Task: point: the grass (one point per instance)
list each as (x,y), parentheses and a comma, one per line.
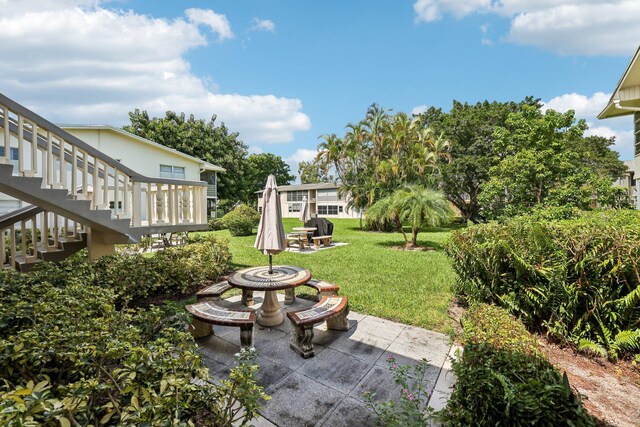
(412,287)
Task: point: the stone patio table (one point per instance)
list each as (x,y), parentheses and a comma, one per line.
(259,279)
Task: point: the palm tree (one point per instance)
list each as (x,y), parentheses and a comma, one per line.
(415,204)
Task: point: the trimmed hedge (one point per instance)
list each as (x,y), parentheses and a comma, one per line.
(503,379)
(578,279)
(135,278)
(241,220)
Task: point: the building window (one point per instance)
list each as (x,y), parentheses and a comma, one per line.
(328,210)
(340,209)
(296,196)
(328,195)
(12,151)
(295,207)
(176,172)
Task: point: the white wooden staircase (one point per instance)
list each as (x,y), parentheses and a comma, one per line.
(74,187)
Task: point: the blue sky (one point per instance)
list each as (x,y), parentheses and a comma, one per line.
(284,72)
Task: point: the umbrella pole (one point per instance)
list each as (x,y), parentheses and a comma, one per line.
(270,265)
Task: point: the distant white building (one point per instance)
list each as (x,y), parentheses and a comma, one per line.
(323,198)
(628,182)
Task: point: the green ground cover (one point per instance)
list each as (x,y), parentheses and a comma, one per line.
(412,287)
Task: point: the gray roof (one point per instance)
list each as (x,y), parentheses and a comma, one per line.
(316,186)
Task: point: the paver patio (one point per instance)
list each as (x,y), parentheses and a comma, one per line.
(327,390)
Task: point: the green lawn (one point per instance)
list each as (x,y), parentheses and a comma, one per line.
(406,286)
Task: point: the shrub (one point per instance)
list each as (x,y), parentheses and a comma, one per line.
(216,224)
(503,379)
(135,278)
(68,356)
(578,279)
(241,220)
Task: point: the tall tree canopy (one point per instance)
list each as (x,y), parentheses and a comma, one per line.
(381,153)
(200,139)
(312,173)
(260,166)
(545,159)
(470,128)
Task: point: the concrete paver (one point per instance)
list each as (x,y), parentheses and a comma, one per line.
(327,389)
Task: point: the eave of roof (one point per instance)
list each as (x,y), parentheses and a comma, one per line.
(203,164)
(611,110)
(315,186)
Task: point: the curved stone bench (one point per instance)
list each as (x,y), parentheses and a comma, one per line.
(326,241)
(214,293)
(332,309)
(207,313)
(322,289)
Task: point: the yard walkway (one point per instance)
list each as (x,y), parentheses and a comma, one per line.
(327,390)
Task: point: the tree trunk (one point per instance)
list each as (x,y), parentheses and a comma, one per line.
(399,225)
(414,236)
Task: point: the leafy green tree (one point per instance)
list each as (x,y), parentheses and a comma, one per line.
(415,204)
(201,139)
(546,160)
(260,166)
(381,153)
(470,130)
(311,173)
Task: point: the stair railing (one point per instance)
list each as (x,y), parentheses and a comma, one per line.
(28,230)
(66,162)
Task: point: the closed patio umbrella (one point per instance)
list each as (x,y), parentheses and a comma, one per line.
(305,212)
(270,239)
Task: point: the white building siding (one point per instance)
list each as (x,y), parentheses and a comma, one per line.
(142,158)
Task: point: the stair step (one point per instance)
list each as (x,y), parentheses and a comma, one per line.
(25,266)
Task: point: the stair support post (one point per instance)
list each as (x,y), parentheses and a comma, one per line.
(97,244)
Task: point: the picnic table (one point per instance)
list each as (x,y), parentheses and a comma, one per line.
(259,279)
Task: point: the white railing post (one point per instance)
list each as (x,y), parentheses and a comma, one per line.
(136,202)
(7,137)
(126,209)
(95,196)
(49,160)
(105,186)
(116,190)
(63,165)
(21,170)
(34,148)
(160,205)
(74,171)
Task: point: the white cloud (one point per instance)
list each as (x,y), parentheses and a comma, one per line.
(83,63)
(300,155)
(419,109)
(216,22)
(584,106)
(589,27)
(587,108)
(263,25)
(254,149)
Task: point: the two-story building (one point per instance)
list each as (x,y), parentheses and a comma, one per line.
(145,156)
(324,201)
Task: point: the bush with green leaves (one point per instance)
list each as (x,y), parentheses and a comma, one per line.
(69,356)
(577,280)
(241,220)
(503,378)
(216,224)
(135,278)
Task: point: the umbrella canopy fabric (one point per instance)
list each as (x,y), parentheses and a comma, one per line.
(270,238)
(305,213)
